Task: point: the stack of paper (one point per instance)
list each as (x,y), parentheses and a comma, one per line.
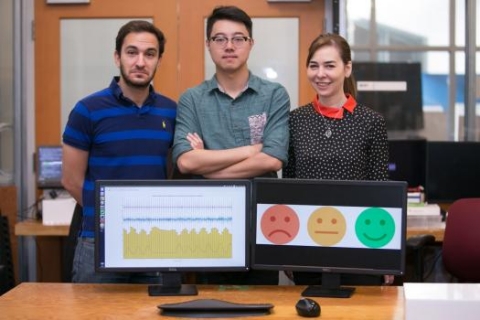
(415,197)
(423,209)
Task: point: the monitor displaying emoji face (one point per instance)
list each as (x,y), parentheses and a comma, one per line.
(329,226)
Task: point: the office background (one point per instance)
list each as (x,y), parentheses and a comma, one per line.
(445,43)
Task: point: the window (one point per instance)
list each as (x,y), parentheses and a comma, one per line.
(407,31)
(6,94)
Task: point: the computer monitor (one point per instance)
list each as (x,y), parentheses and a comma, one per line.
(331,227)
(49,167)
(394,89)
(453,171)
(407,161)
(172,226)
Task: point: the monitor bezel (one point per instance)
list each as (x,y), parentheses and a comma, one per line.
(175,183)
(338,185)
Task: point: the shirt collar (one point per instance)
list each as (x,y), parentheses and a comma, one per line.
(329,112)
(252,83)
(118,93)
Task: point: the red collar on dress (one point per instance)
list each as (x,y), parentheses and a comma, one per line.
(330,112)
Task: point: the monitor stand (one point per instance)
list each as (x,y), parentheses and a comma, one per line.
(171,285)
(330,288)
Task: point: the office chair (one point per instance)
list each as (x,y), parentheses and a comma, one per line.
(7,278)
(416,247)
(461,249)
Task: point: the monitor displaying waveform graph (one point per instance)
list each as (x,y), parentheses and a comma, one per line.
(172,225)
(207,236)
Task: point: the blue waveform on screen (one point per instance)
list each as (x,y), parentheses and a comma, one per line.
(179,206)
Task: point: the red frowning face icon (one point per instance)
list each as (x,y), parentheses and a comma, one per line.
(280,224)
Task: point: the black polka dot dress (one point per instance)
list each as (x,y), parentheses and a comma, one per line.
(352,148)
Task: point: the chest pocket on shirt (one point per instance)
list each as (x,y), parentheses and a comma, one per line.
(256,127)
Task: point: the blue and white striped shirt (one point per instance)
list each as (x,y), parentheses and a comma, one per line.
(123,140)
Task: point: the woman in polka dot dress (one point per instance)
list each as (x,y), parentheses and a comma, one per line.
(334,137)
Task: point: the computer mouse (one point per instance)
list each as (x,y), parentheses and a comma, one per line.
(307,308)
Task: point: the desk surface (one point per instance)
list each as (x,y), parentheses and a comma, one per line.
(36,228)
(417,225)
(131,301)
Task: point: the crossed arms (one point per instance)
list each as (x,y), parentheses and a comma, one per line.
(192,154)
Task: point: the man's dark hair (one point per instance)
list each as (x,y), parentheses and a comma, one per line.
(137,26)
(231,13)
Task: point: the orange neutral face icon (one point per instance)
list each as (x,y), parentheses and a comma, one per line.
(326,226)
(280,224)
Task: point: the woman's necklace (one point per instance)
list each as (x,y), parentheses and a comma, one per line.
(328,124)
(328,111)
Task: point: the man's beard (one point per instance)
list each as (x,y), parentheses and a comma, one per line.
(140,85)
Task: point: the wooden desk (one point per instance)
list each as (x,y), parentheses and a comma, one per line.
(420,225)
(50,243)
(131,301)
(36,228)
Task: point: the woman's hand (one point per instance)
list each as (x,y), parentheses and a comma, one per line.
(388,279)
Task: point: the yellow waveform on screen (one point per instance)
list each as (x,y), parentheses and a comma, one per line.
(169,244)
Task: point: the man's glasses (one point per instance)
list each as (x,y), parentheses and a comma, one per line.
(237,41)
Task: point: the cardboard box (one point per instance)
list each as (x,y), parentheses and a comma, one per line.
(58,211)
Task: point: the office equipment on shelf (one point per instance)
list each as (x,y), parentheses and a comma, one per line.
(331,227)
(441,301)
(49,167)
(58,211)
(453,171)
(172,226)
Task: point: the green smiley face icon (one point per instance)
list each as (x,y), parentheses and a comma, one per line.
(375,227)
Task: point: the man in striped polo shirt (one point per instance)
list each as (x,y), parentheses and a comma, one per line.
(124,131)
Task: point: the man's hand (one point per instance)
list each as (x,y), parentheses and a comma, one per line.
(195,141)
(239,162)
(197,144)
